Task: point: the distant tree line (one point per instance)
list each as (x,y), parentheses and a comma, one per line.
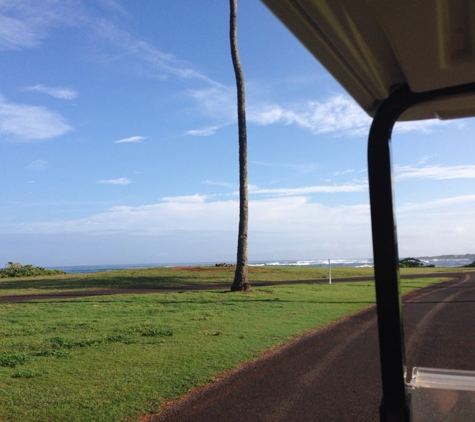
(417,263)
(15,269)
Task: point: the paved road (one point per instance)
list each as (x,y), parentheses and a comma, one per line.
(333,374)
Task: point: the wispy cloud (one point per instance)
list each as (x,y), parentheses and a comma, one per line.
(203,132)
(216,101)
(219,183)
(61,93)
(437,172)
(340,173)
(120,181)
(347,188)
(132,139)
(161,64)
(425,126)
(16,34)
(25,123)
(114,6)
(300,167)
(438,203)
(38,165)
(26,23)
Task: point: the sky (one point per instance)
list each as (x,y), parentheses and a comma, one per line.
(119,143)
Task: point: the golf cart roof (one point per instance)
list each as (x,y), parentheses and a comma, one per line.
(374,46)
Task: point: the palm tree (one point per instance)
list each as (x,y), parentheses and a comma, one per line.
(241,281)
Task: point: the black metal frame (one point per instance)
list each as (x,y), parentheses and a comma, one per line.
(394,407)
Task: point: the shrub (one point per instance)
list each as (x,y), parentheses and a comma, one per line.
(11,359)
(15,269)
(412,263)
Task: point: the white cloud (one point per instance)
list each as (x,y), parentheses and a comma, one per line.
(280,227)
(437,172)
(61,93)
(120,181)
(25,123)
(296,214)
(132,139)
(338,114)
(186,199)
(436,227)
(203,132)
(200,213)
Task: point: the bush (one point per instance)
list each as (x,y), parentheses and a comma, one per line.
(15,269)
(412,263)
(470,265)
(12,359)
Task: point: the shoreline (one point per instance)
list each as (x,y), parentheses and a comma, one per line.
(451,261)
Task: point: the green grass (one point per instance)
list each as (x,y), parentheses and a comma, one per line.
(180,276)
(118,357)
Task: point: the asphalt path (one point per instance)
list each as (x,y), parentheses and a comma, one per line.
(333,374)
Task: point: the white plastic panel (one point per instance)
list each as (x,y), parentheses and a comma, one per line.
(443,378)
(441,395)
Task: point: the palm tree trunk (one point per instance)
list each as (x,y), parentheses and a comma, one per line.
(241,281)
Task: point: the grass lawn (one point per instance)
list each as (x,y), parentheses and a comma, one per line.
(118,357)
(181,276)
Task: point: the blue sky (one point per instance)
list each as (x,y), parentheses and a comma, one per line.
(119,143)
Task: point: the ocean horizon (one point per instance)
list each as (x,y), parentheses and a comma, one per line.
(356,262)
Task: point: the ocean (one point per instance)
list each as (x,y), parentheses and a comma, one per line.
(358,262)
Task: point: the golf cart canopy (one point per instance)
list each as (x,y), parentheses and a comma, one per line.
(372,46)
(400,60)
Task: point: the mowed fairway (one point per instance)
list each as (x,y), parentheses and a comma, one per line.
(118,357)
